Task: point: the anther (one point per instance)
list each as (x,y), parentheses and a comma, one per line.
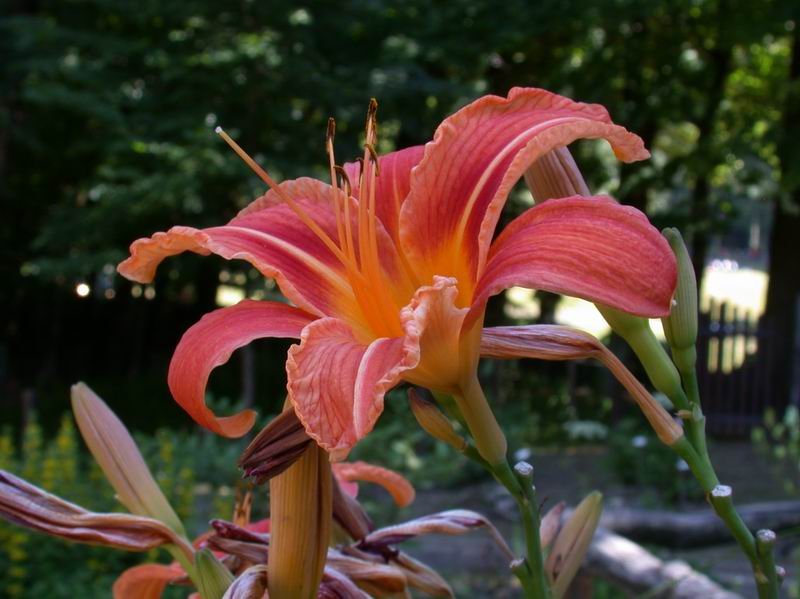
(329,135)
(345,179)
(373,154)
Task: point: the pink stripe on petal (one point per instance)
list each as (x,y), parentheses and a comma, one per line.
(210,342)
(477,155)
(591,248)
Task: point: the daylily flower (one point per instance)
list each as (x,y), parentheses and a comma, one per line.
(389,272)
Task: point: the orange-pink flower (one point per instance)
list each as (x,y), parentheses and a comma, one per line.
(389,272)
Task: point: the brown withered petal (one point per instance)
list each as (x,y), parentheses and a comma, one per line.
(250,584)
(551,524)
(349,514)
(554,342)
(422,577)
(376,578)
(452,522)
(229,530)
(336,585)
(275,448)
(256,553)
(555,175)
(29,506)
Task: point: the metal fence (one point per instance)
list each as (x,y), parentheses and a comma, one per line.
(735,369)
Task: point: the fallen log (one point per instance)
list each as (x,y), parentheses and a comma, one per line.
(634,570)
(696,528)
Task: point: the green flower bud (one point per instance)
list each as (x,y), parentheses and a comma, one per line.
(213,579)
(680,327)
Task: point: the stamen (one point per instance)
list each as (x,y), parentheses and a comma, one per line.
(329,135)
(315,228)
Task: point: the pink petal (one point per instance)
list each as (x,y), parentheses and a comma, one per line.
(210,342)
(271,237)
(477,155)
(393,184)
(147,581)
(337,382)
(396,484)
(590,247)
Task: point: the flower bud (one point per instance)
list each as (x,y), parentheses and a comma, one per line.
(300,514)
(434,422)
(680,327)
(572,542)
(275,448)
(637,333)
(213,579)
(555,175)
(123,465)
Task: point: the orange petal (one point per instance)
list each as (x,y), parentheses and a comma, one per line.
(396,484)
(337,383)
(590,247)
(210,342)
(147,581)
(476,157)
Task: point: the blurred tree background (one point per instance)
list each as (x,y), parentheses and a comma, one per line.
(107,113)
(107,110)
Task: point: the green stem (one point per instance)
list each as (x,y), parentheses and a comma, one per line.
(531,570)
(765,544)
(721,499)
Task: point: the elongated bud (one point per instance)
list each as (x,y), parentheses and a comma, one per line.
(637,333)
(572,543)
(680,327)
(555,175)
(300,511)
(123,465)
(213,579)
(275,448)
(433,422)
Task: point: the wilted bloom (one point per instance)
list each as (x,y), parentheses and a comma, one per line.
(29,506)
(391,270)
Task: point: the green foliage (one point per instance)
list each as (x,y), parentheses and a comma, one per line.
(780,440)
(638,459)
(36,565)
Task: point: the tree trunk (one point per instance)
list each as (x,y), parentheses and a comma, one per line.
(783,293)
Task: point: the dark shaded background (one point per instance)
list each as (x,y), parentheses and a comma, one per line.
(107,110)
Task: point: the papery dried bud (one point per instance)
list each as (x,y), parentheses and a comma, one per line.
(422,577)
(300,513)
(453,522)
(572,543)
(433,422)
(254,553)
(250,584)
(551,524)
(680,327)
(349,514)
(27,505)
(555,175)
(118,456)
(275,448)
(336,585)
(377,579)
(213,579)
